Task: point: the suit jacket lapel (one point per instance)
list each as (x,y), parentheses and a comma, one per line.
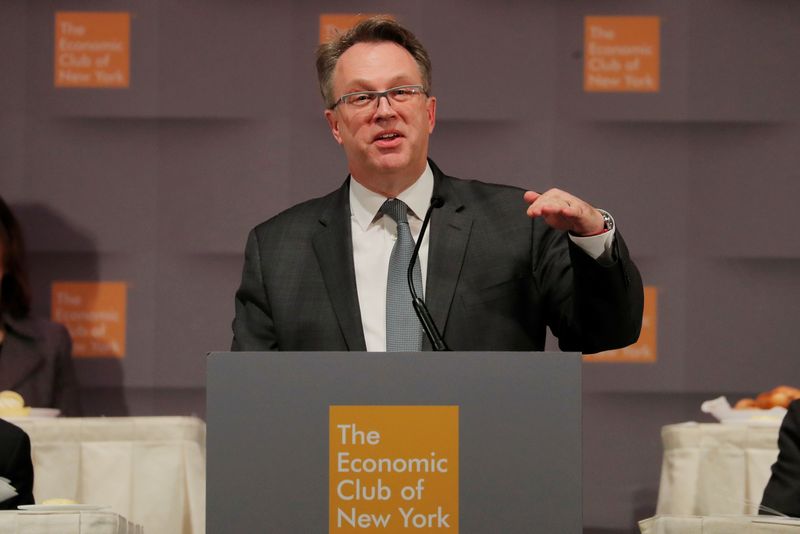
(333,246)
(18,359)
(450,231)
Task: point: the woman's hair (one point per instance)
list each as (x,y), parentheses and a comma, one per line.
(15,293)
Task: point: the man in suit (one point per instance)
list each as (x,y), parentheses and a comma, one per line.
(782,493)
(15,464)
(495,273)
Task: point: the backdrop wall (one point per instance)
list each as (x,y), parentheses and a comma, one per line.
(222,127)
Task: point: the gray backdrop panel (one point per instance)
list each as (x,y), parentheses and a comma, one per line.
(159,184)
(519,426)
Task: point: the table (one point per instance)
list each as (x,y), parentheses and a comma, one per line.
(149,469)
(710,469)
(718,525)
(12,522)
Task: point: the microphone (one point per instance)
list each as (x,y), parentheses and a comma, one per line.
(424,316)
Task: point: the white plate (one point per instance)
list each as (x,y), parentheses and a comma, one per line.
(754,416)
(721,409)
(44,412)
(61,507)
(37,413)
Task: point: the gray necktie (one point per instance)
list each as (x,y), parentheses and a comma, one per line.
(403,330)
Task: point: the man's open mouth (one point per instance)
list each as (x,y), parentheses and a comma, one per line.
(388,136)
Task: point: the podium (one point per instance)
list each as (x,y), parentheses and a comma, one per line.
(276,462)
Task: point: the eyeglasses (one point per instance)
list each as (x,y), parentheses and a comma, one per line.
(395,95)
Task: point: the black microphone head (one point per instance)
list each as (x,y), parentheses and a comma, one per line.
(437,202)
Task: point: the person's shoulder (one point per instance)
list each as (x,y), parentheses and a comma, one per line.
(495,201)
(493,191)
(9,430)
(794,411)
(306,214)
(48,328)
(467,189)
(35,327)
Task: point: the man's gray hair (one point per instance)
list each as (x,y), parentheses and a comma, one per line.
(372,30)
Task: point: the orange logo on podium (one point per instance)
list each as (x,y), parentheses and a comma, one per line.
(92,49)
(621,54)
(94,314)
(643,351)
(393,469)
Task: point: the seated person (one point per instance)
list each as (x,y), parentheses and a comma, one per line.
(15,464)
(782,493)
(35,354)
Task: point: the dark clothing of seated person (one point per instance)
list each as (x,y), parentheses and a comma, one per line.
(782,493)
(15,464)
(35,354)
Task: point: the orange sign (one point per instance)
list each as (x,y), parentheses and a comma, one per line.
(643,351)
(621,54)
(94,314)
(333,24)
(393,469)
(92,49)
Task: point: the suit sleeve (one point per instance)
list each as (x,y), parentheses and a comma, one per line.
(19,469)
(253,326)
(23,475)
(783,489)
(594,306)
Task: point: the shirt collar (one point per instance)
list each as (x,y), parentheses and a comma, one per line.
(365,204)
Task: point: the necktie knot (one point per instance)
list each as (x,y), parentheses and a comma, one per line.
(396,209)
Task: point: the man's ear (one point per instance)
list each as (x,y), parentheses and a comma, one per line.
(333,123)
(431,108)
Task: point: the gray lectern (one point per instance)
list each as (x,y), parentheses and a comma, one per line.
(519,438)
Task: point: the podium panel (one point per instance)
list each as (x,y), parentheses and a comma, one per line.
(274,450)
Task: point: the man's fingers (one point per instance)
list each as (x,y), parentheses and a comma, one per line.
(562,211)
(559,208)
(531,196)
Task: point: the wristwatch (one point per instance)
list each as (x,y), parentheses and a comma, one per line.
(608,220)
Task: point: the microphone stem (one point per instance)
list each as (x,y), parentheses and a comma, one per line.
(423,314)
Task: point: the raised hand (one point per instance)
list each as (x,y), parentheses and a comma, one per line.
(564,211)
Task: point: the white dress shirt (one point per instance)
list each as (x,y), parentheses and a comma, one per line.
(373,239)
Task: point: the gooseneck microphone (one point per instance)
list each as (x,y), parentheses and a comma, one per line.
(428,326)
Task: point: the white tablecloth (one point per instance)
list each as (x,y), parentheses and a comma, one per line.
(718,525)
(66,523)
(148,469)
(710,469)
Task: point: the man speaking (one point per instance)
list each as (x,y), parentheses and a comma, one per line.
(496,266)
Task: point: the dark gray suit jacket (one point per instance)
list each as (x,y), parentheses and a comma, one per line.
(783,489)
(36,362)
(16,464)
(496,279)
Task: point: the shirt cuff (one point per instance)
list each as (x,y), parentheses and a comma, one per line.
(597,246)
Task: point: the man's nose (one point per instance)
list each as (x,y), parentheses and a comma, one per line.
(384,108)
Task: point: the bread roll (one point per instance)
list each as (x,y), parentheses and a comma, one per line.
(779,396)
